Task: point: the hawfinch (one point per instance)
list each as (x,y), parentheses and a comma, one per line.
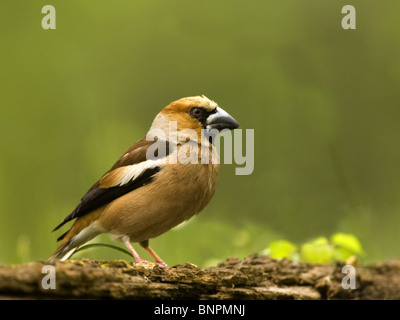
(159,182)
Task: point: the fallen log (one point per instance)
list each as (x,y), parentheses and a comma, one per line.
(255,277)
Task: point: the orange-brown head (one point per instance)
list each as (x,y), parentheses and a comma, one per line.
(194,113)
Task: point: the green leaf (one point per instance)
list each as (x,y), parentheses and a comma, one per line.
(321,241)
(281,249)
(342,254)
(348,242)
(317,251)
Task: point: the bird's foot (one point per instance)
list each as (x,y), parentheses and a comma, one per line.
(162,264)
(145,263)
(149,264)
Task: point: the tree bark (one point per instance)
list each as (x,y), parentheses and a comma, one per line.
(256,277)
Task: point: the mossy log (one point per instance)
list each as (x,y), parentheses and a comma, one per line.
(255,277)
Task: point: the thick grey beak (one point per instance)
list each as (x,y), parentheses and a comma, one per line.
(221,120)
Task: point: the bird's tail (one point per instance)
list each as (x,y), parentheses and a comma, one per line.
(81,231)
(63,252)
(61,255)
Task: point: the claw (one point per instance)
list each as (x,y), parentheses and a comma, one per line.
(139,260)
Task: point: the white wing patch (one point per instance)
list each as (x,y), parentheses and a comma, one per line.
(132,172)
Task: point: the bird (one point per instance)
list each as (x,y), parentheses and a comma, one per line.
(162,180)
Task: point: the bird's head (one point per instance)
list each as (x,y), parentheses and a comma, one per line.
(195,113)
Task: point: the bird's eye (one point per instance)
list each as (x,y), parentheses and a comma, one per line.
(195,112)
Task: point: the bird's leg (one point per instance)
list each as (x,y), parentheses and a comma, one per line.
(135,255)
(159,261)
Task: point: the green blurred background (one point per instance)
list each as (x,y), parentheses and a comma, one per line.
(323,101)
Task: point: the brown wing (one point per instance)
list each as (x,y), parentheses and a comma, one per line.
(108,187)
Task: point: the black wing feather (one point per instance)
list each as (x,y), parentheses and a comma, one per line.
(97,197)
